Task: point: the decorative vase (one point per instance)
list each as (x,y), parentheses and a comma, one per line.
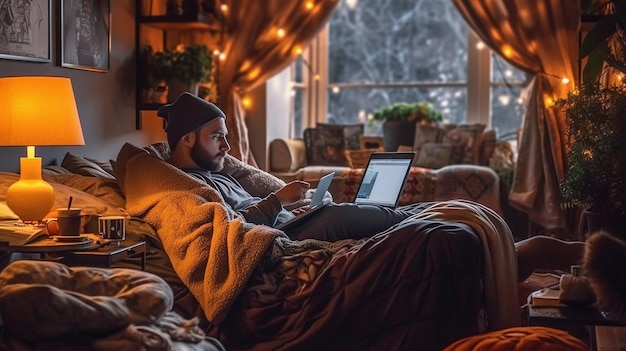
(396,133)
(614,224)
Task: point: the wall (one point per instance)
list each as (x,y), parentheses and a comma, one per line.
(106,101)
(267,117)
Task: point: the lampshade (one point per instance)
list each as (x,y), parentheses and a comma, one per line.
(36,111)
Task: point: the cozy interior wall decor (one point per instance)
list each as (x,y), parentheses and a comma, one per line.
(541,38)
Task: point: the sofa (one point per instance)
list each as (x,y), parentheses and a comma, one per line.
(441,275)
(474,182)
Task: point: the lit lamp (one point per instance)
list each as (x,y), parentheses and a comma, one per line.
(36,111)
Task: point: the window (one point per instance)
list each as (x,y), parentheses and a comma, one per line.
(377,52)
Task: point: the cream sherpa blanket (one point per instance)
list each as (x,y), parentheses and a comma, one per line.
(499,256)
(211,248)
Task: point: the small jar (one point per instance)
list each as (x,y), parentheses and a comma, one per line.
(576,289)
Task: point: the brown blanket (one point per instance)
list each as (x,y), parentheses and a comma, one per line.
(212,249)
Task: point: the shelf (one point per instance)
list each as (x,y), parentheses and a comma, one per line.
(182,22)
(158,28)
(149,106)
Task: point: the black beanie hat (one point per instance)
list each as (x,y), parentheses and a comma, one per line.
(187,114)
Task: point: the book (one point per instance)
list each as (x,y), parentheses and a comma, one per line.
(19,234)
(545,297)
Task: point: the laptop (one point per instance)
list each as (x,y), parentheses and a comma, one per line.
(317,202)
(384,178)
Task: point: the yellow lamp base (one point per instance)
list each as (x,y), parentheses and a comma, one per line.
(30,198)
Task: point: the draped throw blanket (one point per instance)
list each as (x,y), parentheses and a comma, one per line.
(500,258)
(212,250)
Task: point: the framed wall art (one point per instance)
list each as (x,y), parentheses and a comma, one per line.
(86,34)
(25,30)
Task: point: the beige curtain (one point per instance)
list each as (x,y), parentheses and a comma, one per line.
(540,37)
(255,52)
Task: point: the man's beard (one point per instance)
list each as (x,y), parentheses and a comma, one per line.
(204,160)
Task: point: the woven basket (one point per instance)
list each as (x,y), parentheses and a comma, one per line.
(359,158)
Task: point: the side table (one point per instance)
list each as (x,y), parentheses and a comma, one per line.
(569,318)
(105,256)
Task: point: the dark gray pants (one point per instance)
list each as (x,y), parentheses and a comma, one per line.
(351,221)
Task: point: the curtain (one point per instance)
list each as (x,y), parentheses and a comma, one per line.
(540,37)
(255,51)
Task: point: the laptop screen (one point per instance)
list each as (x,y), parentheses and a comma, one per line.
(384,178)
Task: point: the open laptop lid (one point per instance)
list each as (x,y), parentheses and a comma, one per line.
(384,178)
(317,203)
(322,187)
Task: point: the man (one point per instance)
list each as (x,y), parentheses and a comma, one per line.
(197,135)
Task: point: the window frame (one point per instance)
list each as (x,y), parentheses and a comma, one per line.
(479,82)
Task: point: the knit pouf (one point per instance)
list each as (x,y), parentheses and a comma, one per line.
(520,339)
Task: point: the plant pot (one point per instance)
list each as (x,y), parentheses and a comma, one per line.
(614,224)
(396,133)
(176,87)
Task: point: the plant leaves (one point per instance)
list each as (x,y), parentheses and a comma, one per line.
(598,34)
(594,65)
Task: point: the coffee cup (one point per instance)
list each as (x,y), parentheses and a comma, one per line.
(69,222)
(112,228)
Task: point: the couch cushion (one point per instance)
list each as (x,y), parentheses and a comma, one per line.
(287,155)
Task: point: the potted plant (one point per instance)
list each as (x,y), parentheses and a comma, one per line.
(399,121)
(596,140)
(192,65)
(156,68)
(596,136)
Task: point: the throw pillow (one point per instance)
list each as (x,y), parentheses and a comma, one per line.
(324,147)
(466,140)
(427,133)
(351,133)
(86,167)
(490,139)
(434,155)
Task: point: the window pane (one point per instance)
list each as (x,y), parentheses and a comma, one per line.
(297,75)
(297,119)
(355,104)
(507,110)
(501,71)
(397,41)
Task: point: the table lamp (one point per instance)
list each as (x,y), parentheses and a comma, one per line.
(36,111)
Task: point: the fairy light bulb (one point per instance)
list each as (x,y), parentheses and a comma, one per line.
(280,32)
(480,45)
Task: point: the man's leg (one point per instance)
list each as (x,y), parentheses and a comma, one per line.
(351,221)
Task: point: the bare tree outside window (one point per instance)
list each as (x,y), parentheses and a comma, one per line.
(385,51)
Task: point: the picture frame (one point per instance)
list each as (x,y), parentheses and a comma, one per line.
(86,34)
(25,30)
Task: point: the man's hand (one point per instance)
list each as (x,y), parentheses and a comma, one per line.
(292,192)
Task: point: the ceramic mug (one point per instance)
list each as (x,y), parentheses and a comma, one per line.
(112,228)
(68,222)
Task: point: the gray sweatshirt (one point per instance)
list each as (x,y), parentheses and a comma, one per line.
(267,211)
